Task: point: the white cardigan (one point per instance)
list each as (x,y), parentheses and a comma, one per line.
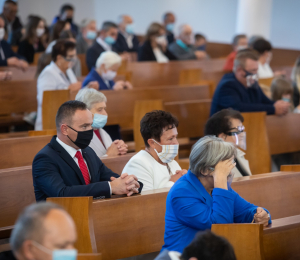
(150,172)
(97,145)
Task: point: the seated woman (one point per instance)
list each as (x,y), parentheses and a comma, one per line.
(57,29)
(282,89)
(32,41)
(106,70)
(101,142)
(204,197)
(228,125)
(155,45)
(155,166)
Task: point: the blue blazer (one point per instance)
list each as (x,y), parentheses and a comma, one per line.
(94,76)
(190,209)
(56,174)
(8,53)
(230,93)
(121,44)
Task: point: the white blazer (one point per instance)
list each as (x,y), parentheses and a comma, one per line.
(97,145)
(150,172)
(243,163)
(51,78)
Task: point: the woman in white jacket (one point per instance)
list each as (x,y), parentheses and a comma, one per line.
(101,143)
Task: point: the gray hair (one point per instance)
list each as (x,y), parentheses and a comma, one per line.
(30,224)
(90,97)
(242,56)
(85,22)
(208,152)
(182,28)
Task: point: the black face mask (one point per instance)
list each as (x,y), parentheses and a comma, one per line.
(69,20)
(83,138)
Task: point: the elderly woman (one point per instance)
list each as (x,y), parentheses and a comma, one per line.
(155,166)
(204,197)
(101,142)
(106,70)
(228,125)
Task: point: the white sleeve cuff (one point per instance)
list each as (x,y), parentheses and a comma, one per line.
(110,188)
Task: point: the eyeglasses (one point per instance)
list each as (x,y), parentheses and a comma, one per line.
(73,59)
(240,129)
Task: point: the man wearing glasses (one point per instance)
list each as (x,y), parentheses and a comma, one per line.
(58,75)
(240,90)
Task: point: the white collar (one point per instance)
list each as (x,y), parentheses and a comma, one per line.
(70,150)
(55,67)
(105,46)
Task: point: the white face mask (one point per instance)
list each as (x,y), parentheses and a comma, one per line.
(2,33)
(109,75)
(40,32)
(241,140)
(162,40)
(168,153)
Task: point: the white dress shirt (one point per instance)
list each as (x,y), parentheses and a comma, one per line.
(150,172)
(128,37)
(98,146)
(265,71)
(105,46)
(72,152)
(160,56)
(51,78)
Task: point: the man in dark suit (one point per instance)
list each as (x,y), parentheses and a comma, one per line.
(105,42)
(13,25)
(126,41)
(240,91)
(67,167)
(169,24)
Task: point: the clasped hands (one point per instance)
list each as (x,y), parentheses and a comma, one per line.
(261,217)
(126,184)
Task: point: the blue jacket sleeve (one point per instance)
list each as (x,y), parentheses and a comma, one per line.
(228,97)
(196,214)
(244,211)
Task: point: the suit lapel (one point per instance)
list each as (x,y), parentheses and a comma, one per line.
(67,158)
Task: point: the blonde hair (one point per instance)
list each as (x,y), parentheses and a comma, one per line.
(153,30)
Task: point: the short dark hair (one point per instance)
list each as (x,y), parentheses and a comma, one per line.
(261,45)
(107,25)
(61,47)
(67,110)
(66,7)
(208,246)
(64,35)
(153,124)
(237,38)
(219,123)
(165,16)
(199,36)
(10,2)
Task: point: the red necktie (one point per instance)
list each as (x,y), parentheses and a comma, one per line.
(83,168)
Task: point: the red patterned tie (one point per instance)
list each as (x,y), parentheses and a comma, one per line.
(83,168)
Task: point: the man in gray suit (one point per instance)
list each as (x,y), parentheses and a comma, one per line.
(182,48)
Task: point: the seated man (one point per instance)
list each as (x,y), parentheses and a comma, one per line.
(240,91)
(7,56)
(105,41)
(67,167)
(155,166)
(200,42)
(205,246)
(169,22)
(41,229)
(87,35)
(105,71)
(182,48)
(127,40)
(228,125)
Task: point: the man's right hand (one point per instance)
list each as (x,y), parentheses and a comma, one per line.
(75,87)
(126,184)
(119,85)
(13,62)
(200,55)
(281,107)
(222,170)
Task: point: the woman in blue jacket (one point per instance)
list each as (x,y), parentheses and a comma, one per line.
(204,197)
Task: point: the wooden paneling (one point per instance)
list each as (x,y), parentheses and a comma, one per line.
(18,74)
(42,132)
(84,68)
(190,76)
(117,163)
(290,168)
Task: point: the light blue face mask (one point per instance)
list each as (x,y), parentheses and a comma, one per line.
(170,27)
(181,44)
(286,99)
(129,28)
(109,40)
(99,121)
(91,35)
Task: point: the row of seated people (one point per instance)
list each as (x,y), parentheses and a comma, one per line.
(46,231)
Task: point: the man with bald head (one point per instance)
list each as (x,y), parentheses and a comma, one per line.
(127,40)
(68,167)
(43,231)
(183,49)
(169,24)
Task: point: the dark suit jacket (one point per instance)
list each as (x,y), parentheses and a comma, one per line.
(146,53)
(16,30)
(8,53)
(121,44)
(94,76)
(7,255)
(170,37)
(56,174)
(27,50)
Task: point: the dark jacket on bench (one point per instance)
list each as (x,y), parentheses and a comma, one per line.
(230,93)
(56,174)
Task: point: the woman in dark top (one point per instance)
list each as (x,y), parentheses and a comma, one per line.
(32,41)
(155,45)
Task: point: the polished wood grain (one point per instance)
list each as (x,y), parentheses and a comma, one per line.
(190,76)
(290,168)
(20,75)
(42,132)
(266,81)
(89,257)
(117,163)
(84,68)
